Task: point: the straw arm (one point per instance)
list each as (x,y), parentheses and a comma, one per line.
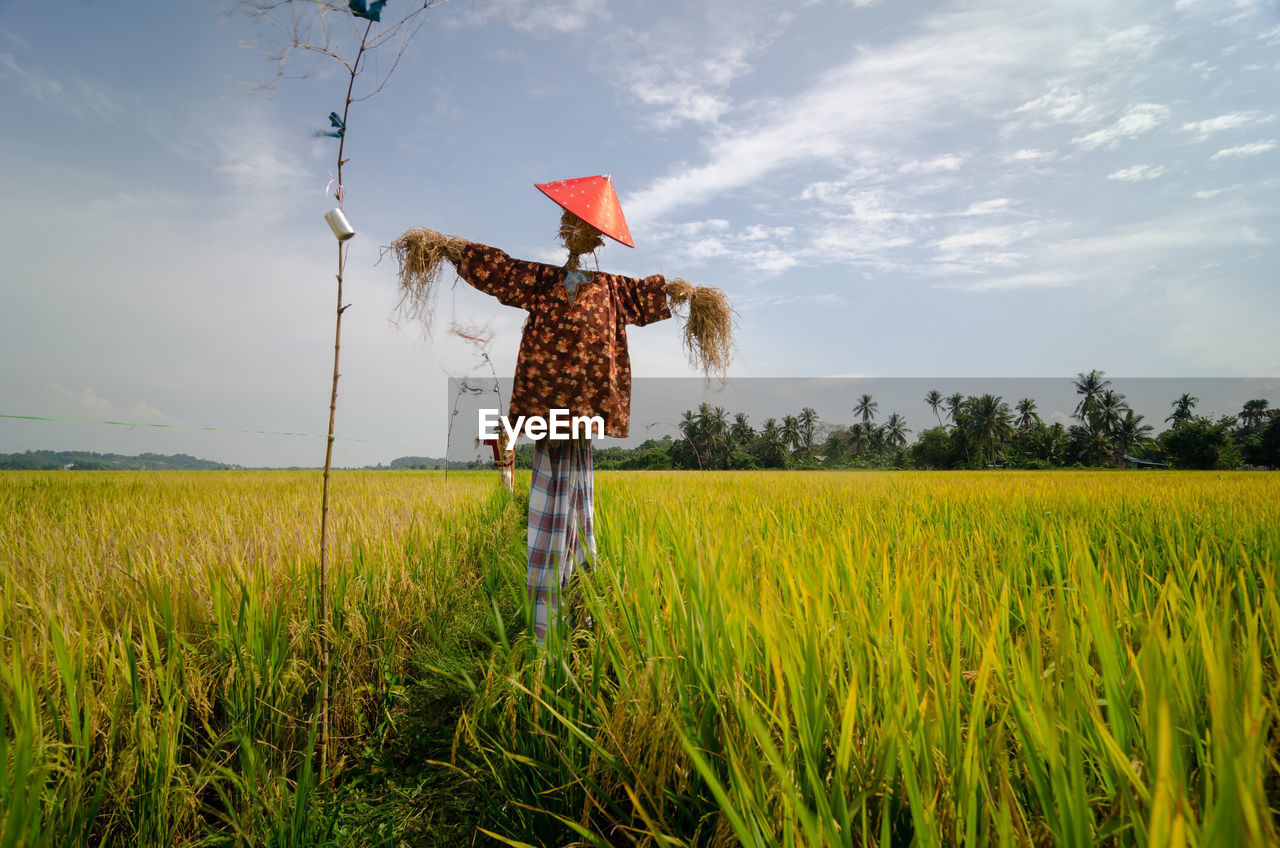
(420,253)
(707,315)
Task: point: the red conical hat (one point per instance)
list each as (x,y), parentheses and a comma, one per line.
(593,200)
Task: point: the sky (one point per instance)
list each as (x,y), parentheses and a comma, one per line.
(937,190)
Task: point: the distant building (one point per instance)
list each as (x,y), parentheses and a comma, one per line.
(1134,462)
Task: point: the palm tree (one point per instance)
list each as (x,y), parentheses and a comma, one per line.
(934,400)
(1098,444)
(1027,416)
(834,447)
(1089,387)
(866,408)
(791,431)
(715,424)
(689,425)
(1049,443)
(896,430)
(877,436)
(1108,411)
(719,420)
(859,438)
(694,429)
(958,410)
(990,424)
(1129,435)
(808,419)
(1254,411)
(773,441)
(1182,408)
(741,432)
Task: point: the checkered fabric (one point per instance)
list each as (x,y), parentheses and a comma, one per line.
(561,533)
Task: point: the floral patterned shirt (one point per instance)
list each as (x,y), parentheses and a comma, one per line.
(573,354)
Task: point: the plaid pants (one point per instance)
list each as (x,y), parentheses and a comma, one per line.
(561,534)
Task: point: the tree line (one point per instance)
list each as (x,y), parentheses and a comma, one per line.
(47,460)
(974,431)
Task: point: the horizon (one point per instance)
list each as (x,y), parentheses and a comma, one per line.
(660,402)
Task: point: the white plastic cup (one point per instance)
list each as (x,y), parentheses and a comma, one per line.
(338,223)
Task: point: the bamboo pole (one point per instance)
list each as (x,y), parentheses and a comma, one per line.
(325,635)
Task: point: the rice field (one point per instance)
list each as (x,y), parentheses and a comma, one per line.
(792,659)
(161,650)
(905,659)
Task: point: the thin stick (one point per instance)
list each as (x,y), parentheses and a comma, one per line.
(305,26)
(328,449)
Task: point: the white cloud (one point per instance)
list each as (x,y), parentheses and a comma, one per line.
(771,261)
(700,251)
(1224,12)
(1029,154)
(845,242)
(683,68)
(864,206)
(542,17)
(1229,121)
(77,98)
(690,84)
(1036,280)
(758,232)
(1109,261)
(1141,118)
(767,249)
(1252,149)
(985,237)
(264,173)
(88,404)
(758,302)
(826,191)
(960,66)
(1061,105)
(954,73)
(699,228)
(1209,194)
(1134,43)
(680,101)
(946,162)
(1138,173)
(988,207)
(1160,241)
(1204,69)
(252,159)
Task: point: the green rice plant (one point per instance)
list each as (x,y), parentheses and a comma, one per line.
(161,649)
(24,773)
(772,659)
(902,659)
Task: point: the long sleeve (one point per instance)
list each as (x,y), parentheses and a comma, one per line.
(573,346)
(642,301)
(513,282)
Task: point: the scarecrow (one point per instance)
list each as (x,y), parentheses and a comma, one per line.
(573,355)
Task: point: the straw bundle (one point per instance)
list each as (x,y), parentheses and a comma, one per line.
(421,253)
(578,237)
(708,328)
